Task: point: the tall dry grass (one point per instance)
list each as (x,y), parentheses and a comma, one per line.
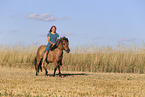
(120,58)
(17,55)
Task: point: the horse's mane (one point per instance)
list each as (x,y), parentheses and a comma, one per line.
(58,41)
(65,39)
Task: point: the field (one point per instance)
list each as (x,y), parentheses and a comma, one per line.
(88,71)
(24,83)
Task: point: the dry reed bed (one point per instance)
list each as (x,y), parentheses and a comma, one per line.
(121,59)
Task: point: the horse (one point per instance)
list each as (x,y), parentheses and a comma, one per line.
(55,55)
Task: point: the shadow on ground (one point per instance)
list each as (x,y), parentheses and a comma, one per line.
(69,74)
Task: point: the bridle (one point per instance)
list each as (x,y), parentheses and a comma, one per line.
(62,45)
(61,41)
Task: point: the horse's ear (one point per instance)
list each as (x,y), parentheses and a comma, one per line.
(64,38)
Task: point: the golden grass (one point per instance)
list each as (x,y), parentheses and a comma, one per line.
(23,83)
(17,56)
(119,59)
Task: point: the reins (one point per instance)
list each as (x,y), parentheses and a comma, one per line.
(61,45)
(61,41)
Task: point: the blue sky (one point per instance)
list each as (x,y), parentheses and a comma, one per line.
(84,22)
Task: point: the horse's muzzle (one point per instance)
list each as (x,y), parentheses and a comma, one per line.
(68,50)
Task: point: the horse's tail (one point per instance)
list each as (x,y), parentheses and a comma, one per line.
(35,62)
(39,66)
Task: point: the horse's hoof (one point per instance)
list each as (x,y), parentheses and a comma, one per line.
(53,75)
(61,76)
(36,74)
(46,73)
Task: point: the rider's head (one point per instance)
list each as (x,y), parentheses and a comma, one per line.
(52,29)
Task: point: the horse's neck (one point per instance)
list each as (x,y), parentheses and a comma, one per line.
(60,46)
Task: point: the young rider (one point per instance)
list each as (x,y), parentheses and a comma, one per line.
(52,38)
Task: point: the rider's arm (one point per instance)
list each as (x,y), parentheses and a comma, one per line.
(56,38)
(50,41)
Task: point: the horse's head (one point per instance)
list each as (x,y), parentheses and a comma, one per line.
(65,44)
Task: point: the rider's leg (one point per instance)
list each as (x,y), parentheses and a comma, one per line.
(44,57)
(45,54)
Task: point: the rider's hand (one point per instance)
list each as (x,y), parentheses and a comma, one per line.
(53,44)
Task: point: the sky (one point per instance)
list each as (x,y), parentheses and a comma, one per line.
(83,22)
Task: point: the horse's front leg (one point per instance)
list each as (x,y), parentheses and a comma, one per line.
(44,66)
(59,70)
(55,68)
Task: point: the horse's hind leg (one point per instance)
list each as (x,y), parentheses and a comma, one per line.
(37,64)
(46,72)
(40,63)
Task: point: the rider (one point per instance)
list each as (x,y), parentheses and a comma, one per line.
(52,38)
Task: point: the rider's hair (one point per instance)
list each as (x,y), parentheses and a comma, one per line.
(51,29)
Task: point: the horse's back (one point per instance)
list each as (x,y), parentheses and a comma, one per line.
(40,51)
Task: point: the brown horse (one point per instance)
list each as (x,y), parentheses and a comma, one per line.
(55,55)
